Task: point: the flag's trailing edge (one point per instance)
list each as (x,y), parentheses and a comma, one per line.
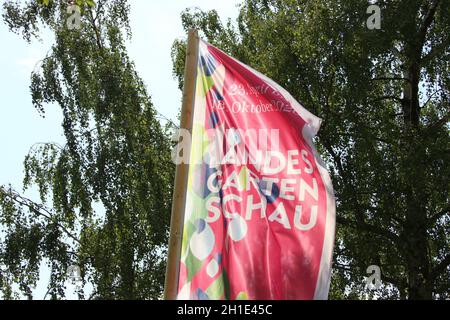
(259,217)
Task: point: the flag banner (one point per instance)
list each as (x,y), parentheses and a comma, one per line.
(259,219)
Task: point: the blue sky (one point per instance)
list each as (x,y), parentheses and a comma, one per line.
(155,25)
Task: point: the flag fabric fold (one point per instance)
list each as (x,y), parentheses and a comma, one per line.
(259,217)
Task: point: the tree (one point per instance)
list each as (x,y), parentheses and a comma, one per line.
(384,98)
(105,195)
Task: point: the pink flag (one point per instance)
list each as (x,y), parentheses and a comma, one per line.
(259,219)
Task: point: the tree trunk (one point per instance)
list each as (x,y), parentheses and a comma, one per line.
(415,231)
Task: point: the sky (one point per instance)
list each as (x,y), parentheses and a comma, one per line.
(154,24)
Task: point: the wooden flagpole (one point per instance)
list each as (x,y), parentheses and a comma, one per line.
(182,170)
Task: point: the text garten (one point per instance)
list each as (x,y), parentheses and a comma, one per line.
(293,191)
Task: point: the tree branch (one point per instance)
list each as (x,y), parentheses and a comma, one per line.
(92,20)
(359,225)
(431,97)
(37,209)
(388,97)
(429,17)
(390,79)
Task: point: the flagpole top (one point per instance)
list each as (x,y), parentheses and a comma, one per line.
(193,32)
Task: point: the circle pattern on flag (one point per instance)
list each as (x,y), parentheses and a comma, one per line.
(237,228)
(212,268)
(202,241)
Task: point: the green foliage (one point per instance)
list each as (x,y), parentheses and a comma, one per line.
(105,194)
(80,3)
(383,96)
